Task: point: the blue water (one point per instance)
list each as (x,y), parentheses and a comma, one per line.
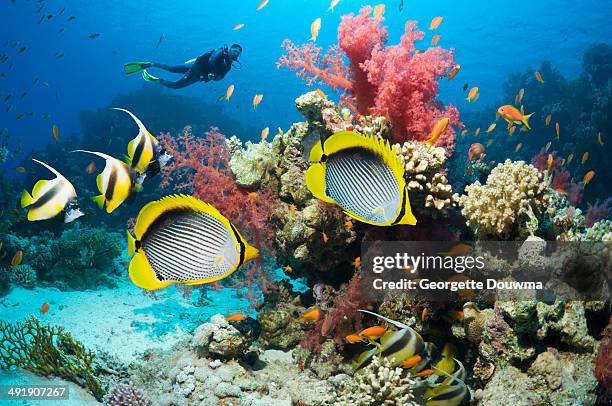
(491,40)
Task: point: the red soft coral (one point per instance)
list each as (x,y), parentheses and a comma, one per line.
(201,167)
(393,81)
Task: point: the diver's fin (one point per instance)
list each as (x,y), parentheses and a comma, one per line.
(142,274)
(26,199)
(134,67)
(131,244)
(99,200)
(315,182)
(148,77)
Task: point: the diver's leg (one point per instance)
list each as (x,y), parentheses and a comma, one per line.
(179,84)
(171,68)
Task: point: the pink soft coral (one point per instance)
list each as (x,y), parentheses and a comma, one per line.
(395,81)
(201,168)
(598,211)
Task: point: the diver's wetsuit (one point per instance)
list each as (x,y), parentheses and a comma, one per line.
(216,62)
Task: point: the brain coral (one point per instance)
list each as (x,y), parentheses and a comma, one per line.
(514,193)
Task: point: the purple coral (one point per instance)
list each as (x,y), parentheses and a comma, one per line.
(126,395)
(598,211)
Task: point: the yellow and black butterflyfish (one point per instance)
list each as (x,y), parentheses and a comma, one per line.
(180,239)
(116,183)
(451,392)
(141,150)
(50,197)
(363,175)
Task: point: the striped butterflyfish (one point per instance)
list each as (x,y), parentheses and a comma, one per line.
(50,197)
(116,183)
(450,392)
(180,239)
(397,346)
(144,151)
(363,175)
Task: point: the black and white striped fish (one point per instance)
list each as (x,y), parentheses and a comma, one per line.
(50,197)
(363,175)
(180,239)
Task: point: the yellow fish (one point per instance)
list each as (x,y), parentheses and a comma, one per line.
(116,183)
(472,94)
(143,149)
(363,175)
(513,116)
(229,92)
(435,23)
(491,127)
(51,197)
(166,253)
(438,129)
(315,26)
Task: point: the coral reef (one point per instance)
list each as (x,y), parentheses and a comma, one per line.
(126,394)
(22,275)
(379,383)
(603,362)
(47,350)
(219,339)
(507,203)
(394,81)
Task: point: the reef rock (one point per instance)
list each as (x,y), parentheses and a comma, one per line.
(218,338)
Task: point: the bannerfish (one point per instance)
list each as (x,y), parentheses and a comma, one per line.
(145,154)
(180,239)
(363,175)
(513,116)
(51,197)
(116,183)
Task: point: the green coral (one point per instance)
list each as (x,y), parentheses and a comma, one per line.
(22,275)
(47,350)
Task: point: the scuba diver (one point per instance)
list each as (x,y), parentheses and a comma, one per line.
(213,65)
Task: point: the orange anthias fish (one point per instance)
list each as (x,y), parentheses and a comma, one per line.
(477,131)
(312,316)
(238,27)
(411,361)
(315,26)
(547,146)
(333,4)
(511,130)
(489,143)
(438,129)
(513,116)
(424,313)
(17,258)
(599,140)
(325,237)
(557,129)
(472,94)
(425,372)
(379,10)
(55,133)
(464,131)
(264,133)
(519,96)
(518,147)
(348,224)
(357,262)
(453,72)
(538,76)
(585,157)
(321,93)
(569,158)
(229,92)
(262,5)
(91,168)
(238,316)
(435,23)
(292,209)
(373,333)
(587,177)
(456,315)
(491,127)
(354,338)
(44,308)
(548,118)
(549,162)
(476,151)
(458,250)
(435,39)
(257,99)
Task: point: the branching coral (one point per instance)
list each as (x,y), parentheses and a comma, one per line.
(124,394)
(392,81)
(513,194)
(47,350)
(425,175)
(379,383)
(22,275)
